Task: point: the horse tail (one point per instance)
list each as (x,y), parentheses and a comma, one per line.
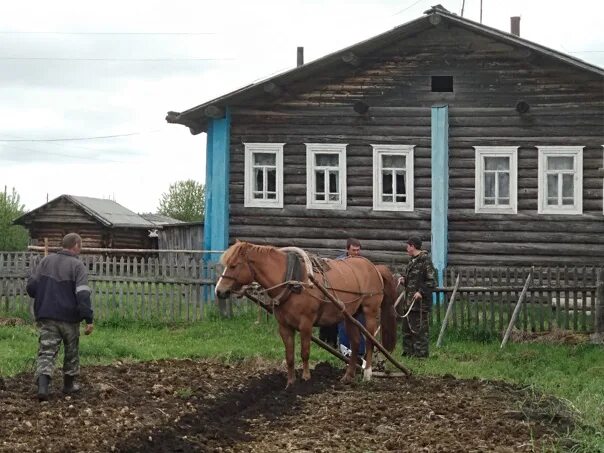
(388,315)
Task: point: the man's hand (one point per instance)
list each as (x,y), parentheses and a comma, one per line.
(417,296)
(401,281)
(89,328)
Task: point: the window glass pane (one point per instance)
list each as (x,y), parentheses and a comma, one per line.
(568,186)
(401,189)
(568,201)
(504,201)
(552,186)
(401,198)
(333,182)
(327,160)
(504,185)
(258,179)
(496,163)
(319,182)
(393,161)
(387,183)
(258,196)
(387,198)
(265,158)
(271,180)
(271,196)
(560,163)
(489,185)
(489,201)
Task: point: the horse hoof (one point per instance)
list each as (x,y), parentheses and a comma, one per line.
(367,374)
(306,376)
(346,379)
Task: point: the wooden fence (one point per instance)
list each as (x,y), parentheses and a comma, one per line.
(179,287)
(175,287)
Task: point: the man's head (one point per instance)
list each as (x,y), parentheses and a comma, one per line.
(414,245)
(73,243)
(353,247)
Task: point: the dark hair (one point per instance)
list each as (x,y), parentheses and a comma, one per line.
(352,241)
(71,240)
(415,241)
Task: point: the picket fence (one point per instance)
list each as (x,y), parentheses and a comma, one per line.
(179,287)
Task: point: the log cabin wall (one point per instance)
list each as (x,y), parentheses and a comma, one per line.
(489,78)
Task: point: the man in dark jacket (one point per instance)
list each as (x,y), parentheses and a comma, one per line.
(419,283)
(59,286)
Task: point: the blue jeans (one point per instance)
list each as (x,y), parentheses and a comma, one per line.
(344,337)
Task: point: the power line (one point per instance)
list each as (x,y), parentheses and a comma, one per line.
(133,33)
(408,7)
(76,138)
(112,59)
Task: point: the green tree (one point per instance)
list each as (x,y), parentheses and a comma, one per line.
(185,200)
(12,237)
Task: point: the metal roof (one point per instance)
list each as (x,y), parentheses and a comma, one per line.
(195,118)
(160,219)
(110,213)
(107,212)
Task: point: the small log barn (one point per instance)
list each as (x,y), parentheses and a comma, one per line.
(101,223)
(485,144)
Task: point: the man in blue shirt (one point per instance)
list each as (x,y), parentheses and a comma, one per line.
(353,248)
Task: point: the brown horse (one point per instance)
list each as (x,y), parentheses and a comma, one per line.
(355,281)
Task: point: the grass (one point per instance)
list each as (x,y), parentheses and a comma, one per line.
(572,373)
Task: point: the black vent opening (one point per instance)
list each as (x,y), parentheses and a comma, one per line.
(442,84)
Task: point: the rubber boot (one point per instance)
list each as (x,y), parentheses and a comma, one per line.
(69,385)
(43,383)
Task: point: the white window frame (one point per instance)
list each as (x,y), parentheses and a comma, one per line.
(567,151)
(268,148)
(325,148)
(401,150)
(495,151)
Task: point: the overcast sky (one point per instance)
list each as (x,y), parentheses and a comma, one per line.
(78,69)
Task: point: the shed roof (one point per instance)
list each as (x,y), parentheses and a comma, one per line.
(197,118)
(107,212)
(160,219)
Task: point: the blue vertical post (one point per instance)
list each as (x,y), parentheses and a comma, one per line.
(216,218)
(440,188)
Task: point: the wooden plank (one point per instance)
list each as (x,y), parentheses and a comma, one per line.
(517,309)
(448,313)
(566,277)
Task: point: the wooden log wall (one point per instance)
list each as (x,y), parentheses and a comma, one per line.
(489,78)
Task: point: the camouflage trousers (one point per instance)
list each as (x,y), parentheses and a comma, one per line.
(52,334)
(416,333)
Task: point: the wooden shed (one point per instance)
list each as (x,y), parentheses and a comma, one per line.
(176,234)
(485,144)
(101,223)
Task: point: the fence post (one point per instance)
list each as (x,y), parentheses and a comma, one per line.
(448,314)
(598,336)
(517,308)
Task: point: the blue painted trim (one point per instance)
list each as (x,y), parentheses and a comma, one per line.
(440,188)
(216,219)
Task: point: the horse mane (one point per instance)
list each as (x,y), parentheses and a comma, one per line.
(241,248)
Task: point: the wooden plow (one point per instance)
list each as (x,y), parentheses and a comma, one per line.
(362,328)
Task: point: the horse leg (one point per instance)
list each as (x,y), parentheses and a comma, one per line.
(371,325)
(288,337)
(305,334)
(354,337)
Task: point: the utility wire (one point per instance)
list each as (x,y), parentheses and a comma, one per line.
(408,7)
(112,59)
(133,33)
(75,138)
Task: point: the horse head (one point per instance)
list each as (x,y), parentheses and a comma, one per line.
(237,270)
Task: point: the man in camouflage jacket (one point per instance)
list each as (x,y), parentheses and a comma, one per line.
(419,283)
(60,288)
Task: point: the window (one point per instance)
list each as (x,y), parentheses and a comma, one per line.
(393,177)
(496,179)
(263,179)
(442,84)
(560,179)
(325,176)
